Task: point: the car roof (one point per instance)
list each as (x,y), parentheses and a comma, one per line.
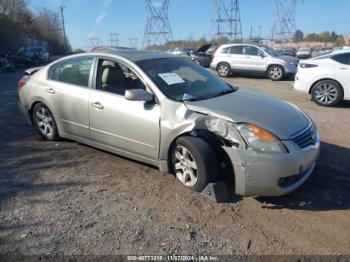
(135,55)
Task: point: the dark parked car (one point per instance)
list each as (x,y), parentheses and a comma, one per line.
(203,55)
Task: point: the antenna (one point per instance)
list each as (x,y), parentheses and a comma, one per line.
(285,25)
(158,29)
(114,39)
(227,21)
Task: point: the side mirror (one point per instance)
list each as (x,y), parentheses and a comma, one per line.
(139,95)
(262,55)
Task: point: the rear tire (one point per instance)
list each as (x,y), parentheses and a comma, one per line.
(44,122)
(194,163)
(275,73)
(327,93)
(224,69)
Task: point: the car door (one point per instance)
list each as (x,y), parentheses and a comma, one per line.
(68,90)
(236,58)
(342,71)
(254,59)
(128,126)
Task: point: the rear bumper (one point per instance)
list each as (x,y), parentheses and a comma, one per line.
(23,110)
(301,85)
(272,175)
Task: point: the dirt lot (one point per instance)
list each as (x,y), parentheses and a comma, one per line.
(67,198)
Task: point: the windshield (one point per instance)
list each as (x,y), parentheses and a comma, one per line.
(182,80)
(270,51)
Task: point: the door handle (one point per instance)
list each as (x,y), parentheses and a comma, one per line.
(97,105)
(343,68)
(50,90)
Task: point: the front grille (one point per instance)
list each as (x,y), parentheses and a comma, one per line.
(306,138)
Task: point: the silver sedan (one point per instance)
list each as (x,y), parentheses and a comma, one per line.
(172,113)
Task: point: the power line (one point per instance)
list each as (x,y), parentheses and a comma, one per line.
(227,20)
(158,28)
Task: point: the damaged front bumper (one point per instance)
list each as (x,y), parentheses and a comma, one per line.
(259,174)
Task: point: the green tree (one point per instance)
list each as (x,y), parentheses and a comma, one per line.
(298,36)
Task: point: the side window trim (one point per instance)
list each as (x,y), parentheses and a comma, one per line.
(67,60)
(112,59)
(239,46)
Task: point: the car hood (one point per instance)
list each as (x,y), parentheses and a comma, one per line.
(288,59)
(281,118)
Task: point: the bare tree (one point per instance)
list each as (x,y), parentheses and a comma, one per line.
(11,8)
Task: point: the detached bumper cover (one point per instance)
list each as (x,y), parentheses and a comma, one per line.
(272,175)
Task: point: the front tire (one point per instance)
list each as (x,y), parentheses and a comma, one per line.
(275,73)
(194,163)
(45,122)
(224,69)
(327,93)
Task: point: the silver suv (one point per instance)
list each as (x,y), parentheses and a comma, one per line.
(174,114)
(253,59)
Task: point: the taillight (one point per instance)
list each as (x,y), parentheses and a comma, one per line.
(302,65)
(23,81)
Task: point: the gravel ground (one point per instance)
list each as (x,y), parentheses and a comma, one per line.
(67,198)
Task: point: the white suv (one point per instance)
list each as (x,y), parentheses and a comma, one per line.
(253,59)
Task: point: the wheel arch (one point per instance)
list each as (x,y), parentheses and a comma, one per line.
(223,62)
(48,105)
(326,79)
(216,144)
(275,64)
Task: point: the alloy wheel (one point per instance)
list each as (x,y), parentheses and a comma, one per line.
(325,93)
(44,121)
(223,70)
(276,73)
(185,166)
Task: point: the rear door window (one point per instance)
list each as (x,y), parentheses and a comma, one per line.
(342,58)
(251,51)
(236,50)
(74,71)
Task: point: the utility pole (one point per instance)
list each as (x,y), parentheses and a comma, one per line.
(158,29)
(226,21)
(133,42)
(114,39)
(285,24)
(64,29)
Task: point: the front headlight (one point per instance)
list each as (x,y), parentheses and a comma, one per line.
(256,138)
(260,140)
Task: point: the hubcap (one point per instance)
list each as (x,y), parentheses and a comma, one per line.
(325,93)
(276,73)
(223,70)
(44,121)
(185,166)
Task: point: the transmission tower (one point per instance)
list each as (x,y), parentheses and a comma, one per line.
(114,39)
(158,29)
(133,42)
(227,21)
(285,25)
(95,41)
